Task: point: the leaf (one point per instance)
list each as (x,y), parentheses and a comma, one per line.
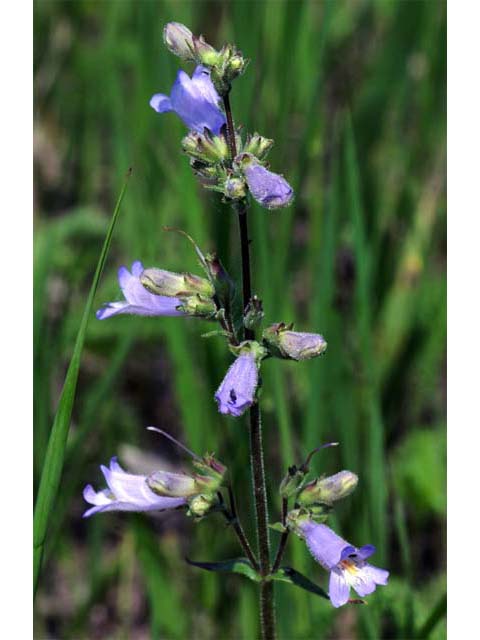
(287,574)
(216,332)
(54,458)
(237,565)
(278,526)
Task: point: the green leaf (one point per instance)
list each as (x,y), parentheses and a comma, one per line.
(237,565)
(278,526)
(54,458)
(287,574)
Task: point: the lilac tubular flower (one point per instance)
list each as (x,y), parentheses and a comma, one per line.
(138,301)
(194,100)
(237,390)
(346,563)
(269,189)
(126,492)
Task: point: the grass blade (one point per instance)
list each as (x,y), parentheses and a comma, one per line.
(53,465)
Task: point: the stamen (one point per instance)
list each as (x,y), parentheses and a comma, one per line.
(179,444)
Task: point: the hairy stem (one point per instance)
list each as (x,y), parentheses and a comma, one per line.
(283,540)
(233,519)
(267,605)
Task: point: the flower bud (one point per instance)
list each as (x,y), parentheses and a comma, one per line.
(253,314)
(328,490)
(205,147)
(292,345)
(235,188)
(179,40)
(258,146)
(291,482)
(200,505)
(167,283)
(205,53)
(235,65)
(269,189)
(198,306)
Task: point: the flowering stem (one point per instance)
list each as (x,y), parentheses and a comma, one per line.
(267,608)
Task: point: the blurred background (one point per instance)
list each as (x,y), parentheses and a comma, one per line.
(353,92)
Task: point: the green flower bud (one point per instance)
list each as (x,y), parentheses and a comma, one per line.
(200,505)
(291,482)
(258,146)
(167,283)
(205,147)
(198,306)
(205,53)
(179,40)
(235,65)
(292,345)
(253,314)
(235,188)
(328,490)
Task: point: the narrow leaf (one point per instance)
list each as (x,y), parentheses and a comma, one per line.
(237,565)
(287,574)
(54,458)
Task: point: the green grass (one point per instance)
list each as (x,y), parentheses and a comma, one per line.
(354,95)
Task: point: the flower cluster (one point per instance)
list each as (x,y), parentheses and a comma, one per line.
(196,101)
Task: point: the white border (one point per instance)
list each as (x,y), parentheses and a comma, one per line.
(16,318)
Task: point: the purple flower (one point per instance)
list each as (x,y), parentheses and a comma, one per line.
(346,563)
(194,100)
(237,390)
(126,492)
(138,301)
(269,189)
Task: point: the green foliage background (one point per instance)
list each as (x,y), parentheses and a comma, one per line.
(353,92)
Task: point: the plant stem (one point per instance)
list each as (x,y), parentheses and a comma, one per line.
(267,607)
(283,540)
(233,519)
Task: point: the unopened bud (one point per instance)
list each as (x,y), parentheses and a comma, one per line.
(253,314)
(235,65)
(235,188)
(168,283)
(292,345)
(205,53)
(269,189)
(258,146)
(328,490)
(205,147)
(291,482)
(200,505)
(179,40)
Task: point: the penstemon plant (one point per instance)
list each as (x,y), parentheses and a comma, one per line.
(234,165)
